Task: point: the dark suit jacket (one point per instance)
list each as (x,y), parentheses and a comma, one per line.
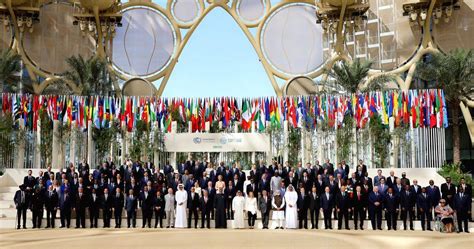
(29,181)
(17,199)
(206,207)
(52,201)
(461,205)
(424,202)
(314,203)
(265,206)
(146,203)
(373,198)
(193,203)
(434,194)
(327,204)
(343,202)
(107,204)
(445,191)
(407,201)
(119,202)
(303,202)
(131,204)
(81,202)
(392,203)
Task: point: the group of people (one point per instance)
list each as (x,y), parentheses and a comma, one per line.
(179,197)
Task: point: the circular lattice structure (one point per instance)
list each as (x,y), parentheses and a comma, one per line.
(145,43)
(185,12)
(291,40)
(251,11)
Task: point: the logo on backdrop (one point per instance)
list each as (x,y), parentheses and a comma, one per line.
(223,140)
(197,140)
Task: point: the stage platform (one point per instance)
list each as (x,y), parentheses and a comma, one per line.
(197,238)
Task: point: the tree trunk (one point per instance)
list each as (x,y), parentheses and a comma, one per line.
(456,136)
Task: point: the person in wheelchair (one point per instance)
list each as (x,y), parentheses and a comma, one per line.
(445,214)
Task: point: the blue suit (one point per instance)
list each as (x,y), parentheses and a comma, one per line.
(375,211)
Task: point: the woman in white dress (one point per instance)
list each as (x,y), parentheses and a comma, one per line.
(291,214)
(278,206)
(238,204)
(251,208)
(197,189)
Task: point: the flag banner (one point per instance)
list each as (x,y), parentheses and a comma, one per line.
(426,107)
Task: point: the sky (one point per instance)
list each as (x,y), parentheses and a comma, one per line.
(218,60)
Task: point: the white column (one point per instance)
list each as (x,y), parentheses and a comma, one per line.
(190,130)
(72,145)
(285,141)
(174,129)
(355,148)
(90,144)
(21,147)
(412,144)
(124,143)
(303,146)
(253,152)
(336,159)
(320,146)
(391,126)
(371,152)
(56,144)
(270,150)
(38,145)
(156,159)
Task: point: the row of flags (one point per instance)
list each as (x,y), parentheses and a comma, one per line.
(427,108)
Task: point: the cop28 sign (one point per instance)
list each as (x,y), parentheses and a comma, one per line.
(217,142)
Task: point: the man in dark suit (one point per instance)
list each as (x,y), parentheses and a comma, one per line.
(375,208)
(29,181)
(434,193)
(22,202)
(314,206)
(159,208)
(467,188)
(343,207)
(359,205)
(265,205)
(407,203)
(206,205)
(448,190)
(391,205)
(391,179)
(80,206)
(291,179)
(131,205)
(193,207)
(423,202)
(65,205)
(306,181)
(118,204)
(461,205)
(37,207)
(94,207)
(51,205)
(302,206)
(327,204)
(146,204)
(107,204)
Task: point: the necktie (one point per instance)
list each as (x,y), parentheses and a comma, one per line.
(22,197)
(358,196)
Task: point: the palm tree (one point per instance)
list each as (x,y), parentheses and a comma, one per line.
(454,73)
(9,66)
(91,76)
(351,76)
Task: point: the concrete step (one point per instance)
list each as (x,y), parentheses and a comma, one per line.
(6,196)
(8,190)
(7,204)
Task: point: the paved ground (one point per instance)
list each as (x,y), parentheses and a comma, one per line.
(193,239)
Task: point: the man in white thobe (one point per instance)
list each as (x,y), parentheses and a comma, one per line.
(181,203)
(238,204)
(291,214)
